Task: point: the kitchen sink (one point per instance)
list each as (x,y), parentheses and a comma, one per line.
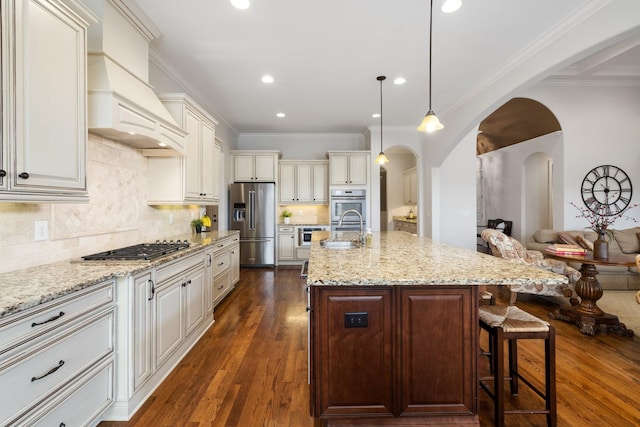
(340,244)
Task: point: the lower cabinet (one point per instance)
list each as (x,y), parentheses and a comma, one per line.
(394,351)
(50,352)
(226,267)
(162,314)
(409,227)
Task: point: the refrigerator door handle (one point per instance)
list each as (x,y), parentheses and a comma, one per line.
(252,210)
(254,240)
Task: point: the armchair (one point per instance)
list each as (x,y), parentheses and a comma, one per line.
(508,248)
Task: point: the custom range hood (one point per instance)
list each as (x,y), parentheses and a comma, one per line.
(122,105)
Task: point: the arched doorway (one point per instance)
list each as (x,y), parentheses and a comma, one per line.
(516,180)
(393,183)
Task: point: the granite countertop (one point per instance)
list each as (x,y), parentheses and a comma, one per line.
(400,258)
(22,289)
(405,219)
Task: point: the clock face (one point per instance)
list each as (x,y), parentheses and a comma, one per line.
(606,190)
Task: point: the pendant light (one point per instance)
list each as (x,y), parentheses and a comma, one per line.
(430,123)
(381,159)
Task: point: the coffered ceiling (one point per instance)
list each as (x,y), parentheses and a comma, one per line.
(325,56)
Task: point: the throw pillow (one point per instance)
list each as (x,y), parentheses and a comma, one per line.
(586,244)
(567,238)
(627,240)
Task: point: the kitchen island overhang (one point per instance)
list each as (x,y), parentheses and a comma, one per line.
(394,329)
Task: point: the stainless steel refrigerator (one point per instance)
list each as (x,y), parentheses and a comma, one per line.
(252,211)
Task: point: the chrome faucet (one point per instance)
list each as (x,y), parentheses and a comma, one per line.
(361,234)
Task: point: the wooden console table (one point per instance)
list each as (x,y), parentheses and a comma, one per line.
(587,315)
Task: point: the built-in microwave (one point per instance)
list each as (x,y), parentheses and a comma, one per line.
(304,234)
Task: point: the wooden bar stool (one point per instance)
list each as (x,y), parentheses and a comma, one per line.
(511,323)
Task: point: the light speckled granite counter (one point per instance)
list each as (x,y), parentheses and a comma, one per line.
(22,289)
(399,258)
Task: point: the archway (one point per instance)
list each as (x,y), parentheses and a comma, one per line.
(516,180)
(402,160)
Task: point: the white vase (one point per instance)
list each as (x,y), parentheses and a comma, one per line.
(286,220)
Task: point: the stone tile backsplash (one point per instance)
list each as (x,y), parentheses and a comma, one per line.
(116,215)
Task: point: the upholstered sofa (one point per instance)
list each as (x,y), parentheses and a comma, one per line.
(625,241)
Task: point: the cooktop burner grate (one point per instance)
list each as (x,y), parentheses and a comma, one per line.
(139,252)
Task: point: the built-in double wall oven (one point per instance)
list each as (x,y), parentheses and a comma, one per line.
(344,200)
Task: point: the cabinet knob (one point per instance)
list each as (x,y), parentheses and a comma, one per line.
(24,175)
(3,173)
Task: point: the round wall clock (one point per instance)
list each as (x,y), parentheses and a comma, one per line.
(606,190)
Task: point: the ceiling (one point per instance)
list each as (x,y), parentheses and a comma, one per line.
(325,57)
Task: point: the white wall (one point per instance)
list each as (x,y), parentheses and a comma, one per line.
(600,125)
(457,203)
(302,146)
(503,179)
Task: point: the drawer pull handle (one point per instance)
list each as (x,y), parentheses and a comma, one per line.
(34,324)
(153,290)
(220,263)
(51,371)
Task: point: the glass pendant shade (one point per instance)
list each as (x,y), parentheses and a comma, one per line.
(430,123)
(381,159)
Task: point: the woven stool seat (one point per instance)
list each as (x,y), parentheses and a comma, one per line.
(510,324)
(511,319)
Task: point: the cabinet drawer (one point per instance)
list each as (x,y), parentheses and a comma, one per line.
(179,266)
(81,403)
(222,244)
(19,328)
(36,375)
(221,262)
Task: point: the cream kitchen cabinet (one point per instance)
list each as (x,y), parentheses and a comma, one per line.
(52,350)
(226,267)
(43,73)
(410,186)
(161,315)
(235,261)
(191,178)
(180,304)
(218,180)
(348,168)
(303,182)
(286,243)
(255,166)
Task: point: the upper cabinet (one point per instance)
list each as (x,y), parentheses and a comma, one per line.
(410,186)
(303,181)
(44,101)
(349,168)
(255,166)
(192,178)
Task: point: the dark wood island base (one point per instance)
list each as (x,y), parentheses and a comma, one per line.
(394,355)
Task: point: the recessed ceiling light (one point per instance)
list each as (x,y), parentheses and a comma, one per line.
(281,115)
(267,79)
(375,115)
(400,81)
(240,4)
(451,6)
(162,144)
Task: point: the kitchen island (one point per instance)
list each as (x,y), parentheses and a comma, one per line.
(394,329)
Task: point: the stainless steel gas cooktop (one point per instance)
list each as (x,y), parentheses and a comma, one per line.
(139,252)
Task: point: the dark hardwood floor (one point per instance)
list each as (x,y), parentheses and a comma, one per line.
(250,368)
